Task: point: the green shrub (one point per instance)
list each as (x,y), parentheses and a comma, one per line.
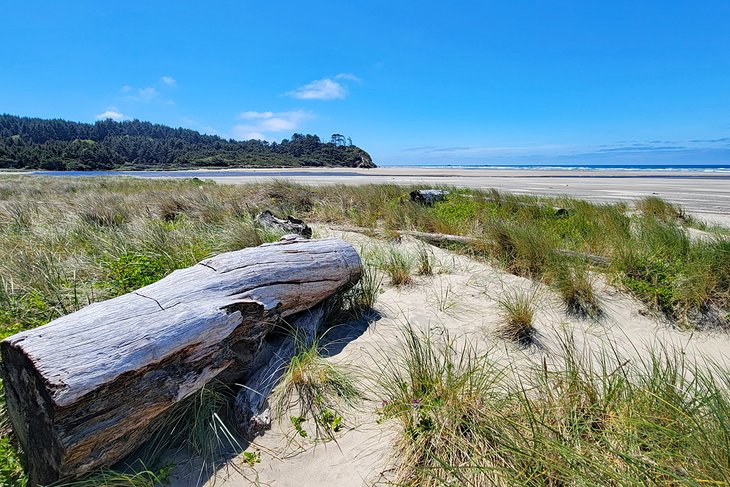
(458,213)
(651,282)
(12,473)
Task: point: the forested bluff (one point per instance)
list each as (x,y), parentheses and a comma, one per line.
(60,145)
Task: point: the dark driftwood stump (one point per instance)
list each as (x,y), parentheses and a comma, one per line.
(290,225)
(86,389)
(428,196)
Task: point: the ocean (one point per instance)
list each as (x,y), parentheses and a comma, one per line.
(598,170)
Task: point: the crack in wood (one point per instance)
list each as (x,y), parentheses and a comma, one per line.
(208,266)
(149,297)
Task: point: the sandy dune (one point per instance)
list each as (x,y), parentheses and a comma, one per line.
(461,299)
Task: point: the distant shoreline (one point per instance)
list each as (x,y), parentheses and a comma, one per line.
(405,171)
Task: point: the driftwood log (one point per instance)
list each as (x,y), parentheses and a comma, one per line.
(290,225)
(444,238)
(86,389)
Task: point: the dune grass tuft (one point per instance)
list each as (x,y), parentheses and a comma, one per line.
(653,206)
(434,387)
(575,285)
(202,425)
(425,260)
(524,249)
(398,265)
(113,478)
(317,389)
(363,296)
(518,314)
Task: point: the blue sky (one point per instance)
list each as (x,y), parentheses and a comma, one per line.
(579,82)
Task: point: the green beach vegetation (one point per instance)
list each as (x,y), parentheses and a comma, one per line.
(588,418)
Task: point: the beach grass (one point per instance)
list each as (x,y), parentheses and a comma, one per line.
(583,418)
(318,390)
(518,308)
(398,265)
(575,284)
(202,425)
(65,243)
(651,252)
(112,478)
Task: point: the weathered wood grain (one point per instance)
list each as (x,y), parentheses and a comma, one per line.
(428,196)
(84,390)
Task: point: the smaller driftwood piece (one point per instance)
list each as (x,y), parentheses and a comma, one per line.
(445,239)
(252,409)
(87,389)
(290,225)
(428,196)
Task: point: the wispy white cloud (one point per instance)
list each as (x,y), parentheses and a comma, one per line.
(260,125)
(169,81)
(250,115)
(324,89)
(347,76)
(321,89)
(113,113)
(148,93)
(139,94)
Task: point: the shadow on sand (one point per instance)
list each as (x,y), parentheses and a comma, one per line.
(196,469)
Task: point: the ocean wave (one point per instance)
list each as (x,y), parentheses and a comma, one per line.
(706,169)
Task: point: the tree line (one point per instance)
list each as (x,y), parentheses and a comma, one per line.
(36,143)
